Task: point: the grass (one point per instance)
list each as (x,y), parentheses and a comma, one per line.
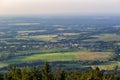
(51,38)
(50,57)
(44,37)
(60,29)
(105,37)
(118,43)
(31,31)
(39,37)
(71,34)
(53,50)
(108,66)
(22,24)
(53,55)
(62,56)
(3,64)
(93,56)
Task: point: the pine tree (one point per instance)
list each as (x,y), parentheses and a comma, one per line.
(46,72)
(36,74)
(62,75)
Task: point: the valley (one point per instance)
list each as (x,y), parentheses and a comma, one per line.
(74,42)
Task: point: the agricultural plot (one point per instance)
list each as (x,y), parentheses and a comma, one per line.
(44,37)
(105,37)
(108,66)
(3,64)
(61,56)
(93,56)
(60,29)
(31,31)
(38,37)
(24,24)
(71,34)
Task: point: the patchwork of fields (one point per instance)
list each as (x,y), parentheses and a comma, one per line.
(70,42)
(61,56)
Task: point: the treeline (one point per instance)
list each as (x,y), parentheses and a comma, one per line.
(46,73)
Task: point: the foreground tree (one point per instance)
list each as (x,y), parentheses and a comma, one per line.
(46,73)
(36,73)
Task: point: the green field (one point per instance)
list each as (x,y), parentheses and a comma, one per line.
(31,31)
(108,66)
(70,56)
(44,37)
(50,57)
(60,29)
(71,34)
(60,56)
(105,37)
(52,38)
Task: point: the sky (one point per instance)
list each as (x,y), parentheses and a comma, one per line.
(31,7)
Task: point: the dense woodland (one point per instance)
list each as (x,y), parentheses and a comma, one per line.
(46,73)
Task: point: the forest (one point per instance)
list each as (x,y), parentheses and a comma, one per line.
(46,73)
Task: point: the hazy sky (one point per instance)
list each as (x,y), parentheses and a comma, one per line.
(21,7)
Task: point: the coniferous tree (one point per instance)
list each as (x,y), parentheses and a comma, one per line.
(46,72)
(62,75)
(36,74)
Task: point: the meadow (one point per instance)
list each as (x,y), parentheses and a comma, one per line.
(112,65)
(60,56)
(105,37)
